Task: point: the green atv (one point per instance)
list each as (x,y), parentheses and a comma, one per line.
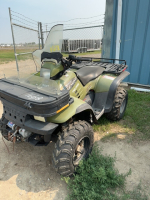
(61,101)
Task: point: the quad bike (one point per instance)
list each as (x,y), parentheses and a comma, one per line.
(61,101)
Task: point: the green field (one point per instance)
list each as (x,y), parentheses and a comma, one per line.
(7,55)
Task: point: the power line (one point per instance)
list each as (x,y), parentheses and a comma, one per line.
(23,16)
(24,23)
(24,19)
(74,19)
(94,24)
(58,21)
(81,24)
(82,28)
(86,22)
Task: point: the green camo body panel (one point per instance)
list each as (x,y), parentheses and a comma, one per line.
(78,92)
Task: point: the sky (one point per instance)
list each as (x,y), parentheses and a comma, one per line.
(48,11)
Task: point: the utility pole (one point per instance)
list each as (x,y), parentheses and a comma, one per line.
(13,39)
(39,33)
(42,39)
(46,30)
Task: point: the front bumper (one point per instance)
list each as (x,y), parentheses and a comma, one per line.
(19,116)
(42,128)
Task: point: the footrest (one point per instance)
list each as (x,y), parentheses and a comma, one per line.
(98,113)
(32,140)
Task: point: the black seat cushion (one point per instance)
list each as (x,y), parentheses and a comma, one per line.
(89,73)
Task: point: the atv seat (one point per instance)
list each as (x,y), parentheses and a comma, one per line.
(89,73)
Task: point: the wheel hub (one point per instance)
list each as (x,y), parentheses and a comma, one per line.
(81,150)
(122,107)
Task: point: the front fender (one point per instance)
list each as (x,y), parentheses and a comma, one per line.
(76,107)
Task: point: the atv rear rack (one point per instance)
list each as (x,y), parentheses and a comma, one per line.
(109,67)
(107,63)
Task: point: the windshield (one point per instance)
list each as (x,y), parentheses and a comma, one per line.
(33,81)
(29,75)
(53,44)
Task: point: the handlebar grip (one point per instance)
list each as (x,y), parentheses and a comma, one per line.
(71,57)
(83,59)
(75,59)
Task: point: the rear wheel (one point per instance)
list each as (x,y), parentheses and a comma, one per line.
(74,144)
(119,105)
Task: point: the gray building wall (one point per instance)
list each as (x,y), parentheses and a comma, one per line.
(107,32)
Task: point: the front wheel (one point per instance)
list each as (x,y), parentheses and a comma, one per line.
(74,144)
(119,105)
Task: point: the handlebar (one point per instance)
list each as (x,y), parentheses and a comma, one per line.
(67,63)
(78,59)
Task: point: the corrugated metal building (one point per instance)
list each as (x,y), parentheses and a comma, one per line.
(127,36)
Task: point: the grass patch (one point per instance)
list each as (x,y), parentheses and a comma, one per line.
(7,55)
(98,179)
(136,121)
(102,125)
(137,193)
(138,113)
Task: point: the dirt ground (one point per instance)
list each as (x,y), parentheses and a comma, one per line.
(25,66)
(26,173)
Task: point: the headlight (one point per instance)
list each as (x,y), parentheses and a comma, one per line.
(42,119)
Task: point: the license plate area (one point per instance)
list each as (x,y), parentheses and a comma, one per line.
(10,124)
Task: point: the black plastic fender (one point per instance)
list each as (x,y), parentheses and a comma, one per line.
(84,107)
(112,90)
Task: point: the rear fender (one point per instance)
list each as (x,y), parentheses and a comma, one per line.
(104,82)
(112,90)
(76,107)
(106,89)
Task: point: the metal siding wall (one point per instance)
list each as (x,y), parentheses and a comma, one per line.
(114,30)
(135,40)
(107,33)
(144,75)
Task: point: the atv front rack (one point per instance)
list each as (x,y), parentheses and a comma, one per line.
(107,63)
